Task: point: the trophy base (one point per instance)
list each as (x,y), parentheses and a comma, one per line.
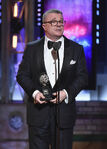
(48,98)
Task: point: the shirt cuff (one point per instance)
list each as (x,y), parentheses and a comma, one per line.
(35,93)
(66,99)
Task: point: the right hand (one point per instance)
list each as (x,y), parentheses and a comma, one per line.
(37,100)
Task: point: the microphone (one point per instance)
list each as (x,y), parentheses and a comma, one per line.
(56,45)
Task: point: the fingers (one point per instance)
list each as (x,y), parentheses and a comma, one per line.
(62,96)
(54,101)
(38,98)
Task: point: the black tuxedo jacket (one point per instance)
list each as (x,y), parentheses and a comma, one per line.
(73,78)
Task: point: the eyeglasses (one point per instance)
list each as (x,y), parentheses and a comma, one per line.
(55,22)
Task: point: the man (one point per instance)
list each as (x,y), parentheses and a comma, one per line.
(38,60)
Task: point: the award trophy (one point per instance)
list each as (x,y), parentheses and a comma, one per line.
(46,90)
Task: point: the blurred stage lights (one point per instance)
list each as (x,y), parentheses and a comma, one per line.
(14,41)
(16,24)
(97,25)
(15,10)
(39,9)
(39,19)
(39,5)
(39,14)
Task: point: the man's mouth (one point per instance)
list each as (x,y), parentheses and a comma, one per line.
(59,30)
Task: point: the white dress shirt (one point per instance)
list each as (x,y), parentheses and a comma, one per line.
(50,63)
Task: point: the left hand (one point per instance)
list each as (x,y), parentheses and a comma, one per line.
(62,95)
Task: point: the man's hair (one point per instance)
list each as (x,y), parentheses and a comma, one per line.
(50,11)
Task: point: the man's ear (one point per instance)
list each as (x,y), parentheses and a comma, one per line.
(43,25)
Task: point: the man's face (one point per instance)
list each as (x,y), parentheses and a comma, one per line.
(53,29)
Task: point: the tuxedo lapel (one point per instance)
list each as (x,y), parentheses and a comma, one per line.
(41,65)
(40,57)
(68,53)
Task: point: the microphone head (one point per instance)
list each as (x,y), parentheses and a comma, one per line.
(56,45)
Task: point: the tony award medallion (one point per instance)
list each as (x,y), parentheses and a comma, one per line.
(44,80)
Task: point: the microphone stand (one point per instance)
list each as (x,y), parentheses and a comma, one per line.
(56,47)
(58,109)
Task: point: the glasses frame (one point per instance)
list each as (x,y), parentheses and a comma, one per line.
(56,22)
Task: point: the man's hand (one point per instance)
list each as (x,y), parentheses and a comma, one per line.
(62,95)
(38,97)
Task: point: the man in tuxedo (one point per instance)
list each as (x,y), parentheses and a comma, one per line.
(40,60)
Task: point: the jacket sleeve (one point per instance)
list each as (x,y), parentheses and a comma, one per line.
(24,77)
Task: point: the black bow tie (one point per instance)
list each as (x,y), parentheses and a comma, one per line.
(54,45)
